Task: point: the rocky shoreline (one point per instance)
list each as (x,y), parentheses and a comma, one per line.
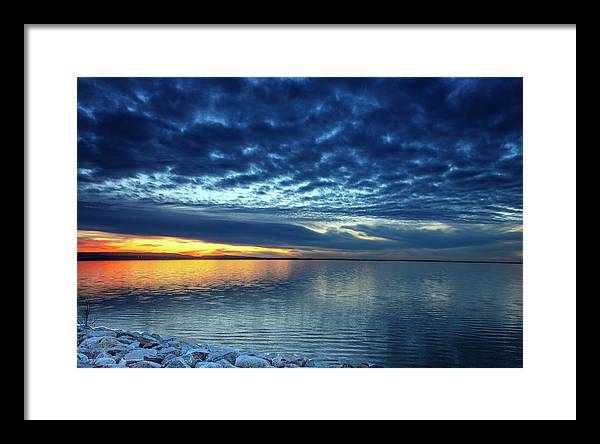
(103,347)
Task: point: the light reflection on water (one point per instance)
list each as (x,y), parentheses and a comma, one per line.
(396,314)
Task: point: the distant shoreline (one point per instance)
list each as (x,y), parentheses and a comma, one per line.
(190,258)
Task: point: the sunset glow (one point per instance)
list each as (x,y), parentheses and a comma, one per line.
(98,241)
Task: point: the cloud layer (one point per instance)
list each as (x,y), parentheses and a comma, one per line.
(306,163)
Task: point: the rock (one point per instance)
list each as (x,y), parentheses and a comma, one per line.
(117,356)
(149,343)
(83,361)
(293,359)
(134,345)
(177,363)
(93,342)
(157,337)
(278,361)
(144,364)
(167,358)
(375,366)
(136,335)
(225,363)
(363,365)
(208,365)
(346,365)
(100,332)
(117,349)
(142,354)
(90,353)
(127,340)
(108,342)
(247,361)
(186,347)
(103,355)
(194,355)
(117,365)
(266,356)
(291,366)
(229,355)
(102,362)
(163,352)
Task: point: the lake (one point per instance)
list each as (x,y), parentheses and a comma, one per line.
(395,314)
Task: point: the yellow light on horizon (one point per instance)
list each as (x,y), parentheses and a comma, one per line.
(99,241)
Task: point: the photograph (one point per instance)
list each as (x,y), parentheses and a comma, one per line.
(300,222)
(242,222)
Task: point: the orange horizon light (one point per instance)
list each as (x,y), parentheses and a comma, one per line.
(99,241)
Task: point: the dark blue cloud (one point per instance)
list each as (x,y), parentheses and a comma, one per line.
(306,150)
(373,240)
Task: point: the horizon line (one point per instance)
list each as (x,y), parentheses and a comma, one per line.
(188,258)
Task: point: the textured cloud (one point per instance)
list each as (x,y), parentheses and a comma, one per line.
(317,152)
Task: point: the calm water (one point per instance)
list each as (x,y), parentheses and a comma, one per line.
(396,314)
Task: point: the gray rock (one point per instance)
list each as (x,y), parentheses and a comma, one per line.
(208,365)
(102,362)
(228,354)
(117,365)
(247,361)
(100,332)
(141,354)
(266,356)
(291,366)
(165,351)
(278,361)
(125,340)
(116,350)
(144,364)
(149,343)
(93,342)
(109,342)
(294,359)
(167,358)
(135,335)
(103,355)
(225,363)
(83,361)
(195,355)
(177,363)
(90,353)
(134,345)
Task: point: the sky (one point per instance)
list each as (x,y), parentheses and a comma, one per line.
(374,168)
